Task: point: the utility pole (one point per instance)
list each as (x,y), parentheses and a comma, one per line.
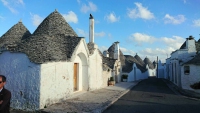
(157,67)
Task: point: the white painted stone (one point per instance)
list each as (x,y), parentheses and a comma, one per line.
(23,80)
(191,78)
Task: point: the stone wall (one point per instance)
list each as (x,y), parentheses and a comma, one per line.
(95,71)
(56,82)
(191,78)
(23,80)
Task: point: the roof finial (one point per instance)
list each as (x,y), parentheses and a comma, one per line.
(56,10)
(20,20)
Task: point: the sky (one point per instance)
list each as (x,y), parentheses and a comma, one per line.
(149,28)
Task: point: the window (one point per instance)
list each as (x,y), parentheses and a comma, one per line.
(186,70)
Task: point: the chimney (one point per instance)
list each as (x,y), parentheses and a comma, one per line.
(116,52)
(91,29)
(190,44)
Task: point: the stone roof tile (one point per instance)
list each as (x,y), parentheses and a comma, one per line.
(149,63)
(14,35)
(54,24)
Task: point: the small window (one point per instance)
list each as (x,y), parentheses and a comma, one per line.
(187,70)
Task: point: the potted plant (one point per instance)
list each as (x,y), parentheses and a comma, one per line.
(124,78)
(111,81)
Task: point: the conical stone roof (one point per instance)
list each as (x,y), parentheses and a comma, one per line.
(54,40)
(111,51)
(129,60)
(139,60)
(54,24)
(149,63)
(14,35)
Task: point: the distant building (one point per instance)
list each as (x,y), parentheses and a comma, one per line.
(137,69)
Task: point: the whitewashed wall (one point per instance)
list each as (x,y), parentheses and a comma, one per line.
(95,73)
(106,76)
(193,77)
(56,82)
(151,72)
(23,80)
(136,74)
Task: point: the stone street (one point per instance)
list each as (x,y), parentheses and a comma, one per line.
(154,96)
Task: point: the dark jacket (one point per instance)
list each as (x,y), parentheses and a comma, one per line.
(5,95)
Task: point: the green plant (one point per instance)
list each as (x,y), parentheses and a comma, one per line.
(111,79)
(124,76)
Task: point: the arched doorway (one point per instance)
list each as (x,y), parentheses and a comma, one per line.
(82,72)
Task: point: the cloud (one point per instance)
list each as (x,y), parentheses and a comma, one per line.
(127,51)
(140,38)
(140,12)
(90,7)
(152,53)
(162,47)
(100,34)
(20,2)
(36,19)
(103,48)
(70,17)
(112,18)
(174,20)
(196,23)
(82,33)
(8,5)
(78,1)
(11,4)
(175,42)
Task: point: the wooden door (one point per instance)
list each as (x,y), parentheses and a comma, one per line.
(75,76)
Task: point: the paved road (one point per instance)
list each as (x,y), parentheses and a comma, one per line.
(153,96)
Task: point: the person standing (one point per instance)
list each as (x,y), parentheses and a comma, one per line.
(5,96)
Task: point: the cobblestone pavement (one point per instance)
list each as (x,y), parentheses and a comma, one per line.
(90,102)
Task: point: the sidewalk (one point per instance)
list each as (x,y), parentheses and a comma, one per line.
(180,91)
(92,101)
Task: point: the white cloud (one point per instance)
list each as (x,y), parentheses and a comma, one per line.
(174,20)
(152,53)
(78,1)
(12,4)
(127,51)
(174,43)
(8,5)
(100,34)
(140,38)
(82,33)
(90,7)
(36,19)
(112,18)
(20,2)
(140,12)
(196,23)
(70,17)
